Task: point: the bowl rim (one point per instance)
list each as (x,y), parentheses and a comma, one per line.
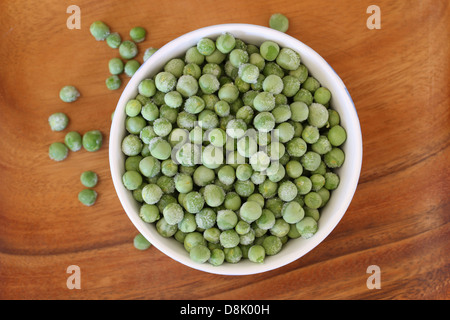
(161,56)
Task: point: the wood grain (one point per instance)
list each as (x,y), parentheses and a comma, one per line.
(398,77)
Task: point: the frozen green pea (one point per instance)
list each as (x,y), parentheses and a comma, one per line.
(272,245)
(115,66)
(269,50)
(292,212)
(333,118)
(331,180)
(58,151)
(334,158)
(236,128)
(206,46)
(318,181)
(250,211)
(194,105)
(149,52)
(307,227)
(149,213)
(294,169)
(73,141)
(276,172)
(322,145)
(273,84)
(214,195)
(229,238)
(193,70)
(301,73)
(226,175)
(304,96)
(88,197)
(92,140)
(217,137)
(138,34)
(337,135)
(69,94)
(287,191)
(150,167)
(266,220)
(160,148)
(233,255)
(248,72)
(264,101)
(217,257)
(279,21)
(268,189)
(225,43)
(194,56)
(284,132)
(128,50)
(311,84)
(259,161)
(310,160)
(313,200)
(257,253)
(317,115)
(147,88)
(99,30)
(228,92)
(206,218)
(135,124)
(322,95)
(296,147)
(200,254)
(288,59)
(131,66)
(226,219)
(282,113)
(141,243)
(310,134)
(208,83)
(164,229)
(151,193)
(89,179)
(299,111)
(58,121)
(173,213)
(183,183)
(187,85)
(203,176)
(113,40)
(132,180)
(113,82)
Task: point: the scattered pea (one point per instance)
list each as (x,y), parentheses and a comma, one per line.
(69,94)
(89,179)
(88,197)
(141,243)
(279,21)
(99,30)
(138,34)
(114,40)
(92,140)
(128,50)
(73,141)
(58,121)
(58,151)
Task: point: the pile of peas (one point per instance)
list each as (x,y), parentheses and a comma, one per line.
(231,150)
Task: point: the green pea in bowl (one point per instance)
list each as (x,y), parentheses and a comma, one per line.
(349,171)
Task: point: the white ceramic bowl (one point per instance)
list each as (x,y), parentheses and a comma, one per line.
(341,101)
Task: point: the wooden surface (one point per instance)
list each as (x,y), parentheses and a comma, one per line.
(398,220)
